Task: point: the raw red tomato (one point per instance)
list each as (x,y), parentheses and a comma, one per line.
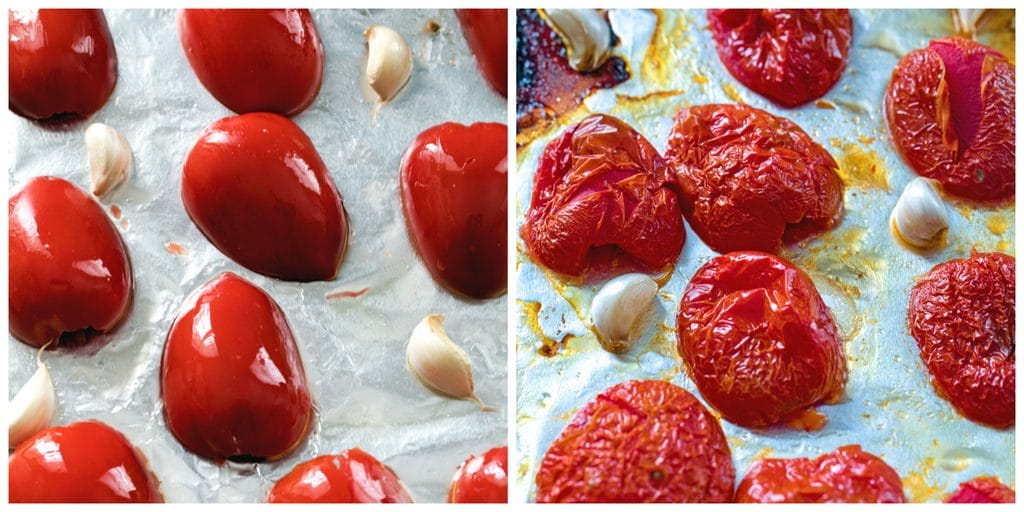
(482,478)
(602,202)
(982,490)
(950,109)
(62,63)
(69,270)
(758,340)
(962,315)
(231,377)
(750,180)
(84,462)
(847,475)
(256,187)
(486,31)
(255,60)
(637,442)
(352,477)
(454,181)
(790,56)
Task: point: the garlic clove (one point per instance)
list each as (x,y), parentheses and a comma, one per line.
(586,35)
(967,22)
(388,61)
(619,308)
(109,157)
(920,218)
(32,408)
(438,363)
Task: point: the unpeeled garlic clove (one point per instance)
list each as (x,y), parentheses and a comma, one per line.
(109,157)
(32,408)
(967,22)
(440,364)
(920,216)
(388,61)
(586,35)
(618,309)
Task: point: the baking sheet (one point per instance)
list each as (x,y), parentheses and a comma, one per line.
(864,276)
(353,349)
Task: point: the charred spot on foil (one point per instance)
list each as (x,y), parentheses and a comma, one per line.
(246,458)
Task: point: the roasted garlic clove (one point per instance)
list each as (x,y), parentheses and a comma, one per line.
(388,61)
(32,408)
(109,157)
(440,364)
(586,35)
(920,216)
(618,309)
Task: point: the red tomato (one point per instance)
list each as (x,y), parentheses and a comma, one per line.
(847,475)
(962,315)
(950,109)
(352,477)
(231,377)
(482,478)
(750,180)
(69,268)
(602,203)
(454,181)
(256,187)
(486,31)
(62,63)
(790,56)
(982,490)
(757,339)
(639,441)
(255,60)
(84,462)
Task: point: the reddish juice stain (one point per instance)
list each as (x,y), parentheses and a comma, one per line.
(347,294)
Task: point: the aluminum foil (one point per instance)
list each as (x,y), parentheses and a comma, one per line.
(863,274)
(353,349)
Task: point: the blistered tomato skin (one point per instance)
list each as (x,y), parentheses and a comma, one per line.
(790,56)
(603,203)
(84,462)
(257,189)
(639,442)
(62,65)
(231,378)
(962,315)
(750,180)
(847,475)
(482,478)
(486,32)
(351,477)
(454,185)
(950,109)
(69,269)
(255,60)
(982,490)
(757,339)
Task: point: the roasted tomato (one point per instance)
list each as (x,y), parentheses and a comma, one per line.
(255,60)
(486,32)
(962,315)
(602,202)
(847,475)
(639,441)
(951,114)
(352,477)
(758,340)
(62,63)
(69,270)
(256,187)
(84,462)
(982,490)
(482,478)
(750,180)
(231,378)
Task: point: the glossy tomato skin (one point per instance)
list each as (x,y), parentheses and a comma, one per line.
(847,475)
(602,203)
(255,60)
(962,315)
(486,32)
(454,184)
(757,339)
(257,189)
(638,442)
(84,462)
(482,478)
(351,477)
(62,63)
(69,269)
(982,490)
(231,377)
(750,180)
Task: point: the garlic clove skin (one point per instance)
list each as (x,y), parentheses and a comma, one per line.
(967,22)
(618,310)
(32,408)
(388,61)
(110,157)
(920,217)
(586,35)
(438,363)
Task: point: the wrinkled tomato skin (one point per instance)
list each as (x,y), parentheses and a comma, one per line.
(757,339)
(62,63)
(790,56)
(84,462)
(971,150)
(482,478)
(255,60)
(486,32)
(603,203)
(982,490)
(257,189)
(750,180)
(454,186)
(69,269)
(231,377)
(962,315)
(351,477)
(639,442)
(847,475)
